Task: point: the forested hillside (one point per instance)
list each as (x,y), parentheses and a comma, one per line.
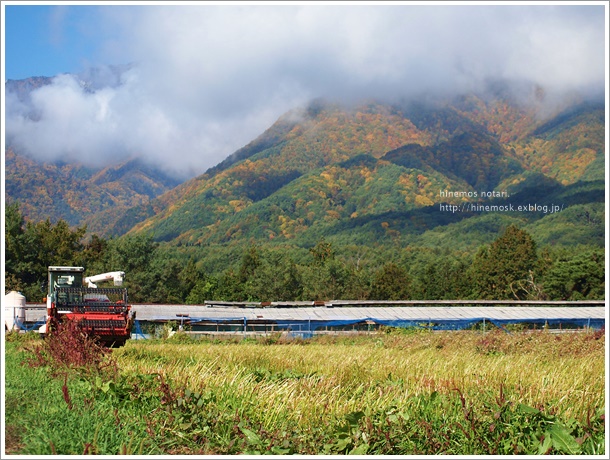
(511,266)
(78,194)
(375,201)
(327,169)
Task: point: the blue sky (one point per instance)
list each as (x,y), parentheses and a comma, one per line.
(204,80)
(49,40)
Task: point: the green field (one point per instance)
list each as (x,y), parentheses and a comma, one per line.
(398,393)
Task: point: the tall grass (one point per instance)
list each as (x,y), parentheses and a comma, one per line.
(540,369)
(418,393)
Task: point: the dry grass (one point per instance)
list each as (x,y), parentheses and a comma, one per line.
(562,374)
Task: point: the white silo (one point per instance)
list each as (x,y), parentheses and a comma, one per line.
(14,310)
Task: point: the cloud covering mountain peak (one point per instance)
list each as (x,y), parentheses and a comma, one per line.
(206,80)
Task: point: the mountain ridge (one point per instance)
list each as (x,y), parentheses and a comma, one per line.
(450,150)
(77,194)
(327,164)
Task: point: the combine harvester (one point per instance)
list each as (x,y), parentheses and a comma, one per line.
(100,312)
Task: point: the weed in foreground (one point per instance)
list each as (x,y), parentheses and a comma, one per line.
(68,347)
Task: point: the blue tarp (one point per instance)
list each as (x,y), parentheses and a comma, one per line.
(442,324)
(427,323)
(305,328)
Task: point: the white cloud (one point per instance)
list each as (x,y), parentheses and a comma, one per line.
(208,79)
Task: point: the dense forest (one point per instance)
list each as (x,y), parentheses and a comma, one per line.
(512,266)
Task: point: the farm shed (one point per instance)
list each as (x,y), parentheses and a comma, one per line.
(304,318)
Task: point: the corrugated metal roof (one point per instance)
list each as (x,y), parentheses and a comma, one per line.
(389,313)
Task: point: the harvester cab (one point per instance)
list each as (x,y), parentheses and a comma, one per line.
(63,277)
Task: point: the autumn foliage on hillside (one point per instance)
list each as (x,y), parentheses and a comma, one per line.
(369,181)
(331,164)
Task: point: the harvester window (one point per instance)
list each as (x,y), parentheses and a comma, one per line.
(64,297)
(65,280)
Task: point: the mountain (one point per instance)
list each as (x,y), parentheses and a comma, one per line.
(375,173)
(365,174)
(92,79)
(80,195)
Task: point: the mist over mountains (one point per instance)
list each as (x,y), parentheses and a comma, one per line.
(203,81)
(322,168)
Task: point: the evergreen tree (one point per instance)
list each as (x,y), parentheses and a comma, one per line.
(205,288)
(32,248)
(249,264)
(499,270)
(444,279)
(276,278)
(16,256)
(391,282)
(577,277)
(135,255)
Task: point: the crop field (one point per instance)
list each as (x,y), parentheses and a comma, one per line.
(392,393)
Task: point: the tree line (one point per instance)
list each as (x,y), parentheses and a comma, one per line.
(511,267)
